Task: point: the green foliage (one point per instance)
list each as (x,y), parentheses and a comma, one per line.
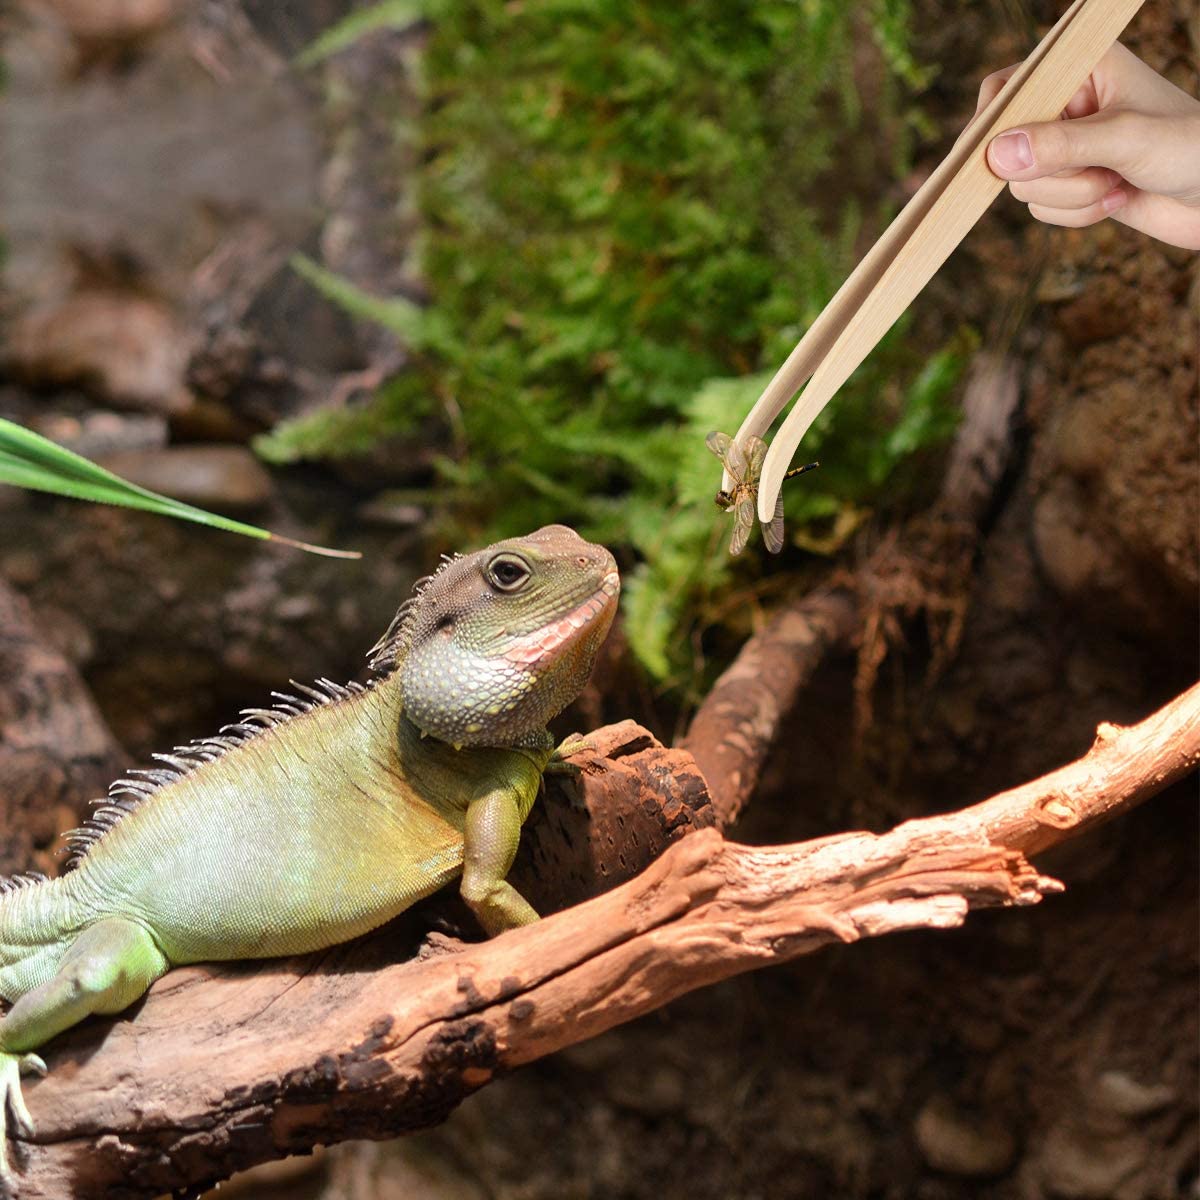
(414,325)
(29,460)
(890,23)
(633,208)
(388,14)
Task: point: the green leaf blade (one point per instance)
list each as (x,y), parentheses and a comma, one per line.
(30,461)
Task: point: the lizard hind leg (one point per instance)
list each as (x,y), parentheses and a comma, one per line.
(108,966)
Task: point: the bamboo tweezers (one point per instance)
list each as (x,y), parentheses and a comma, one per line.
(923,235)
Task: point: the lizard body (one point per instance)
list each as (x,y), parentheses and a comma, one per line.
(318,819)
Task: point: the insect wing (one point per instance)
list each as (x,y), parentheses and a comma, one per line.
(743,523)
(773,530)
(756,451)
(730,454)
(719,444)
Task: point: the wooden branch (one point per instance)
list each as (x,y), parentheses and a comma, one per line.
(983,444)
(735,727)
(223,1068)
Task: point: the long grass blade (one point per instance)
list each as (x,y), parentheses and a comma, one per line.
(31,461)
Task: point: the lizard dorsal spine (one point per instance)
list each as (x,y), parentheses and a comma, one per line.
(141,784)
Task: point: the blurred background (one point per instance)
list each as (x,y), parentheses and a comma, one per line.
(405,277)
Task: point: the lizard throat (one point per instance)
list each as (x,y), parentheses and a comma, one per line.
(501,699)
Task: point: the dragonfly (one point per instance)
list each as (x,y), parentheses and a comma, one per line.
(744,460)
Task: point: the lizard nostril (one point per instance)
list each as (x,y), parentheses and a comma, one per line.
(582,560)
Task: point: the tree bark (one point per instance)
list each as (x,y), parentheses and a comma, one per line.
(220,1068)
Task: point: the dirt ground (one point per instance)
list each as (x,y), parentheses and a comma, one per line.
(1048,1052)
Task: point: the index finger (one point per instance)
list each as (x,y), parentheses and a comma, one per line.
(989,89)
(1083,104)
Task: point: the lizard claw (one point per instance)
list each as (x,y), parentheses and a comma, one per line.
(558,764)
(575,744)
(12,1103)
(569,772)
(32,1064)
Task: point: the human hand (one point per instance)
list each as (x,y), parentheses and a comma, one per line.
(1128,148)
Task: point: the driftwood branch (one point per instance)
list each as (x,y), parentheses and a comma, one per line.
(925,568)
(222,1068)
(736,725)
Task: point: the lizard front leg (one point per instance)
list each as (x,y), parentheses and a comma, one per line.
(12,1067)
(491,834)
(558,765)
(107,967)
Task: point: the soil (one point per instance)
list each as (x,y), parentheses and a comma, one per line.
(1049,1052)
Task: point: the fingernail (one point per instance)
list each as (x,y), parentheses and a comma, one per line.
(1012,152)
(1114,200)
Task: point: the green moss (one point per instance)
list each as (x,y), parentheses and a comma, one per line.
(633,208)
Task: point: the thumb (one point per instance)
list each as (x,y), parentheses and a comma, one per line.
(1110,139)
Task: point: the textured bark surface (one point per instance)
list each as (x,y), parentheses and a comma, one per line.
(221,1068)
(632,798)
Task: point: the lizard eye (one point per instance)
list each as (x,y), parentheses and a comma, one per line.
(507,572)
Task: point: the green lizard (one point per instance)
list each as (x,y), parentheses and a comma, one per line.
(315,820)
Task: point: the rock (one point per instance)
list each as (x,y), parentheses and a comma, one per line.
(962,1143)
(101,433)
(297,608)
(22,567)
(659,1090)
(1098,314)
(108,20)
(398,1170)
(221,477)
(389,509)
(1123,1095)
(1070,554)
(122,348)
(597,1054)
(1132,584)
(1075,1165)
(211,421)
(67,634)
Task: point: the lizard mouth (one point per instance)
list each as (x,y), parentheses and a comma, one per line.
(543,645)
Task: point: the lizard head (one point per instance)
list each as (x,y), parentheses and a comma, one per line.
(500,641)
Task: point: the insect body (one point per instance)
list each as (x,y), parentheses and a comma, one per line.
(744,465)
